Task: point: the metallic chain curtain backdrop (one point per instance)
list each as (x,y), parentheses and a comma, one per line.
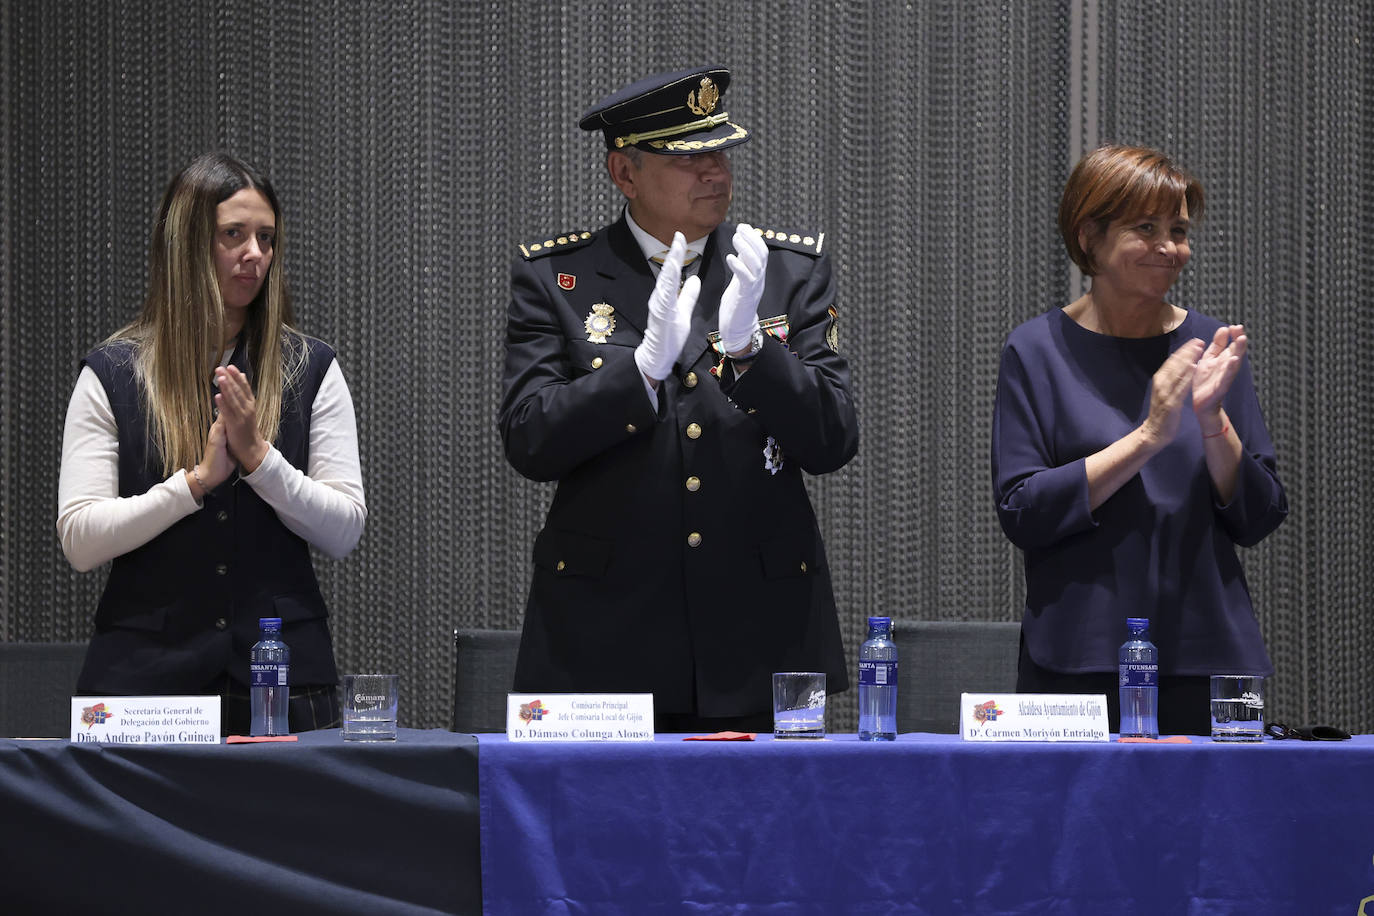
(414,144)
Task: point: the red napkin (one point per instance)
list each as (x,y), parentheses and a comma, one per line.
(1172,739)
(250,739)
(723,736)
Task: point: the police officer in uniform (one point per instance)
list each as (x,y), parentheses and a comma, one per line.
(676,374)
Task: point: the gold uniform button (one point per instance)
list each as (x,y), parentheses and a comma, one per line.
(629,428)
(221,624)
(561,566)
(693,540)
(596,363)
(693,431)
(693,484)
(691,380)
(803,566)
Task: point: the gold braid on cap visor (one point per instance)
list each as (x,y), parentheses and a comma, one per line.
(703,124)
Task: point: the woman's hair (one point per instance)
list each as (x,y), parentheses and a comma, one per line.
(179,334)
(1116,181)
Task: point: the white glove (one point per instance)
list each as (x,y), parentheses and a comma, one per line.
(739,306)
(670,315)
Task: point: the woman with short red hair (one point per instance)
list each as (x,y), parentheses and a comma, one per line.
(1130,455)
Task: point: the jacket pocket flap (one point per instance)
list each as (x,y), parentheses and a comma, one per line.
(295,607)
(134,617)
(567,554)
(784,558)
(585,356)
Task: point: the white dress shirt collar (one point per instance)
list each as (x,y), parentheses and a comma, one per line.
(652,247)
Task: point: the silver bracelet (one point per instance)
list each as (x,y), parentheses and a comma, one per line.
(195,472)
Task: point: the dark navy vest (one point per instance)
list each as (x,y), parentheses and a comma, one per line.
(183,609)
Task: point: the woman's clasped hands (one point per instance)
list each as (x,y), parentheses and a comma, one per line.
(1202,371)
(238,412)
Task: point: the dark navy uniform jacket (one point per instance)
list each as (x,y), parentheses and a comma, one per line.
(681,556)
(183,608)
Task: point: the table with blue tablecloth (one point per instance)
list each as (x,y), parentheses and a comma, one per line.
(926,824)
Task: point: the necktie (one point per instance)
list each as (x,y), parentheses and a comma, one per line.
(687,262)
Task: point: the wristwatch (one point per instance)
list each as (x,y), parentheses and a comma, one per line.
(755,347)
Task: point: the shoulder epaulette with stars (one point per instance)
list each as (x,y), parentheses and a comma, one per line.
(564,242)
(793,241)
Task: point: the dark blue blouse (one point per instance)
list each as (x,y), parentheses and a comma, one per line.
(1162,546)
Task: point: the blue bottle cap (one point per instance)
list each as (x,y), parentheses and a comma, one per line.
(1135,624)
(880,621)
(270,623)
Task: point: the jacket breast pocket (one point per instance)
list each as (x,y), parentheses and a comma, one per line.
(586,357)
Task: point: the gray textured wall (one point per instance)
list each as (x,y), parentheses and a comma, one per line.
(414,144)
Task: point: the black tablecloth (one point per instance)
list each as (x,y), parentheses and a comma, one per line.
(313,826)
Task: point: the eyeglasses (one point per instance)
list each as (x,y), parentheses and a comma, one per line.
(1279,731)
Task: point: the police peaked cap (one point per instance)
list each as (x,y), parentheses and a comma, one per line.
(674,113)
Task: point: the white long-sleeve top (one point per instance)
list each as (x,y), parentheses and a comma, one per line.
(324,505)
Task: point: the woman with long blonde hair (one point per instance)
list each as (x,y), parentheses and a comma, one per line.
(208,444)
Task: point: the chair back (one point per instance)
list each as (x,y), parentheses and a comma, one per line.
(483,673)
(937,660)
(37,681)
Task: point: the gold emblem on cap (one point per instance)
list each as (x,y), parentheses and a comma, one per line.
(703,102)
(600,322)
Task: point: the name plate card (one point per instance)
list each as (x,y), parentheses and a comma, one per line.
(145,720)
(1033,717)
(580,717)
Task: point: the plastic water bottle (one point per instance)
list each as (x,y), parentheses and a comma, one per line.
(878,683)
(1139,669)
(268,690)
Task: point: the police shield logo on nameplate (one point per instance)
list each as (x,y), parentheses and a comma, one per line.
(145,720)
(580,717)
(1033,717)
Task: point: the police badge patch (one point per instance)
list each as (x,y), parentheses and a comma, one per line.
(600,322)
